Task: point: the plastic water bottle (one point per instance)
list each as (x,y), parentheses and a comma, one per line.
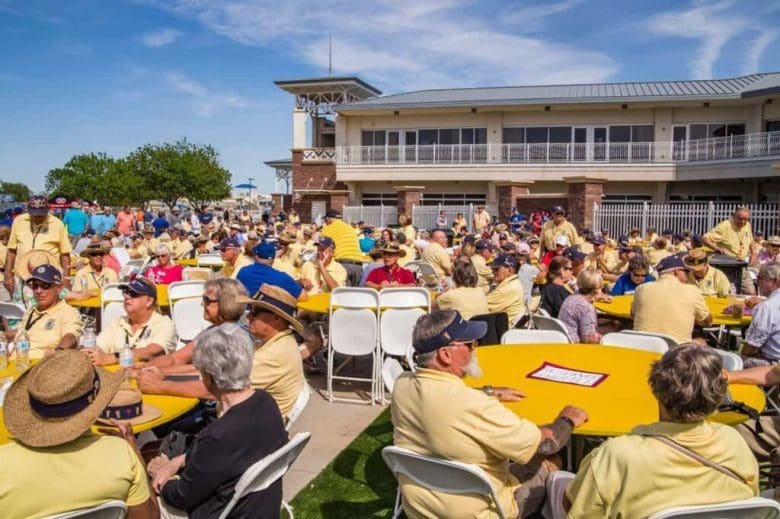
(89,339)
(3,352)
(22,350)
(126,364)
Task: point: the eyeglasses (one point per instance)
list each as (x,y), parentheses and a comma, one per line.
(254,311)
(163,255)
(130,295)
(35,285)
(692,261)
(639,274)
(569,267)
(207,301)
(470,345)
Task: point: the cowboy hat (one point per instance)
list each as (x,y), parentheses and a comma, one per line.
(772,240)
(58,399)
(696,260)
(92,250)
(275,300)
(393,248)
(127,406)
(34,258)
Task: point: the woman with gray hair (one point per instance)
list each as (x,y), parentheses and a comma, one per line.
(680,460)
(223,451)
(467,298)
(166,271)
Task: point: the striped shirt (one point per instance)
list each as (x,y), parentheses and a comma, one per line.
(343,235)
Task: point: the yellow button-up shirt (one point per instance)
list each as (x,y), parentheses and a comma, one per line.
(735,241)
(668,307)
(484,273)
(158,330)
(50,236)
(45,329)
(87,279)
(468,301)
(550,231)
(311,271)
(231,271)
(481,220)
(277,369)
(508,297)
(714,283)
(437,414)
(435,255)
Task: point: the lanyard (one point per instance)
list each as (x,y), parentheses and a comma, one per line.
(98,283)
(135,341)
(36,233)
(31,322)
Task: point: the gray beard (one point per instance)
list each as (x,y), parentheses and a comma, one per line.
(473,370)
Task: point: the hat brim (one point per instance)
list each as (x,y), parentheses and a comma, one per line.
(295,323)
(126,286)
(694,267)
(29,428)
(24,268)
(38,211)
(149,414)
(400,252)
(473,331)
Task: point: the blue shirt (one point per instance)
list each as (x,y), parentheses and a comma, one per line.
(98,223)
(366,244)
(159,224)
(110,221)
(625,285)
(764,330)
(257,275)
(76,221)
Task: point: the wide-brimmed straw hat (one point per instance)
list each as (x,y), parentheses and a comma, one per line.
(58,399)
(127,406)
(393,248)
(772,240)
(276,300)
(92,250)
(34,258)
(696,260)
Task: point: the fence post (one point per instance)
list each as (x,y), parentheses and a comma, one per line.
(414,223)
(382,215)
(596,218)
(710,215)
(645,209)
(471,217)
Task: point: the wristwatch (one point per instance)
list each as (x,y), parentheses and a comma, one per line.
(568,421)
(488,390)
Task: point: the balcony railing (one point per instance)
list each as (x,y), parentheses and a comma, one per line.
(721,148)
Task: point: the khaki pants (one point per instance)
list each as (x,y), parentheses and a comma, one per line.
(533,478)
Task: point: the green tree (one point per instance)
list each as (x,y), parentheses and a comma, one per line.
(84,176)
(19,190)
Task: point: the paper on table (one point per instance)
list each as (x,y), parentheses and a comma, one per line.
(555,373)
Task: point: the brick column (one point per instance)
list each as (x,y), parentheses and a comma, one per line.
(282,201)
(507,194)
(583,193)
(338,199)
(408,197)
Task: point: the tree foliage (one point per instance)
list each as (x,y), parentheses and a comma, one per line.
(169,172)
(18,189)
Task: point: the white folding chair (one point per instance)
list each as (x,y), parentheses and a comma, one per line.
(186,298)
(11,310)
(545,322)
(109,510)
(391,370)
(518,336)
(196,274)
(635,341)
(210,260)
(300,404)
(731,361)
(265,472)
(670,341)
(556,485)
(425,271)
(405,297)
(135,266)
(111,304)
(753,508)
(451,477)
(354,331)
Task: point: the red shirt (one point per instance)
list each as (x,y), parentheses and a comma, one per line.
(165,275)
(125,222)
(396,273)
(548,257)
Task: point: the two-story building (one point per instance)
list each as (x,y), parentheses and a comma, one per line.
(530,146)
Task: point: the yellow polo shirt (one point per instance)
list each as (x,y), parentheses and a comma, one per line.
(714,283)
(139,252)
(435,255)
(87,279)
(181,248)
(410,254)
(550,231)
(278,370)
(484,273)
(481,220)
(469,301)
(289,262)
(231,271)
(735,241)
(83,473)
(606,265)
(47,328)
(437,414)
(507,297)
(637,476)
(410,233)
(311,271)
(656,255)
(50,236)
(669,307)
(158,330)
(343,235)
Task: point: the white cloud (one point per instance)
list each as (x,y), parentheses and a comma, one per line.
(160,38)
(403,44)
(205,102)
(714,25)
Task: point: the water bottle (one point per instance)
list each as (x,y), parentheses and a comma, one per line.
(22,350)
(89,339)
(126,364)
(3,352)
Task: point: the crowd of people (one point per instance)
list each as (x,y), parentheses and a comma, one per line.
(251,362)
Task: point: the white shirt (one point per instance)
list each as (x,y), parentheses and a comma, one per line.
(764,330)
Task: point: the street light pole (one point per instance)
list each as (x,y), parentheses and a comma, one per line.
(250,189)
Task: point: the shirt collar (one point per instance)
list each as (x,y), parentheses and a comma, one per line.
(435,374)
(681,431)
(279,336)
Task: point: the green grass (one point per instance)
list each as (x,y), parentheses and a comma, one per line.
(355,484)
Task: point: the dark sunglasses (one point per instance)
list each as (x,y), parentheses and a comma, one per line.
(256,310)
(35,285)
(130,294)
(207,300)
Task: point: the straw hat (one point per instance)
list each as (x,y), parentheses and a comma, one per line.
(94,249)
(287,237)
(276,300)
(128,407)
(696,260)
(58,399)
(393,248)
(772,240)
(34,258)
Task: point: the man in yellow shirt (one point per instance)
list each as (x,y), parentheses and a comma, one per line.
(601,259)
(436,414)
(709,280)
(94,276)
(232,256)
(51,324)
(649,469)
(37,229)
(669,306)
(323,274)
(54,464)
(288,259)
(435,254)
(508,296)
(485,249)
(347,246)
(481,220)
(733,237)
(558,226)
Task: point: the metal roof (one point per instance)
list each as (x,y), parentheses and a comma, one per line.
(695,90)
(324,84)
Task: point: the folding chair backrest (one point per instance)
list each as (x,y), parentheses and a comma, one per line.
(405,297)
(111,301)
(545,322)
(300,404)
(187,308)
(753,508)
(11,310)
(446,476)
(196,274)
(396,326)
(497,325)
(109,510)
(670,341)
(265,472)
(635,341)
(209,260)
(350,297)
(516,336)
(353,331)
(132,266)
(391,369)
(185,289)
(731,361)
(425,271)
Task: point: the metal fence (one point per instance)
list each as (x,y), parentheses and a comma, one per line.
(425,216)
(619,217)
(372,215)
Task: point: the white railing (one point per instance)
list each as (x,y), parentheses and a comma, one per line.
(620,217)
(425,216)
(721,148)
(372,215)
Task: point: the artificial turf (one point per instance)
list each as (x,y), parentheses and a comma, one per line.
(355,484)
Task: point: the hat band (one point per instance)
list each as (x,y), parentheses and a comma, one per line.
(69,408)
(277,303)
(123,412)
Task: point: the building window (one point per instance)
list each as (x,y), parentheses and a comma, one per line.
(375,199)
(452,198)
(773,126)
(372,138)
(452,136)
(706,198)
(714,130)
(626,197)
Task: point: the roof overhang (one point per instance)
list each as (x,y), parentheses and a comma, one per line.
(356,87)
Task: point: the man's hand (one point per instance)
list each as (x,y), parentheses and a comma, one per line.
(508,394)
(9,282)
(149,379)
(123,430)
(156,464)
(165,473)
(306,284)
(575,414)
(99,357)
(753,301)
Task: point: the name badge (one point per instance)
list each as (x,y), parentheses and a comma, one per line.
(49,324)
(146,335)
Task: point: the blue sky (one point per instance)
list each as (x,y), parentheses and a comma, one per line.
(112,75)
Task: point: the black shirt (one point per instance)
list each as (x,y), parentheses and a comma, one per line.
(553,296)
(220,455)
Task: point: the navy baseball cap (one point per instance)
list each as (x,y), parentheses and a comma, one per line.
(670,263)
(332,213)
(485,244)
(46,273)
(140,286)
(227,243)
(667,232)
(265,250)
(504,260)
(597,240)
(326,242)
(575,254)
(38,206)
(458,330)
